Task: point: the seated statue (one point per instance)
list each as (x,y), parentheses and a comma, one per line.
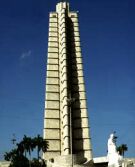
(114,158)
(111,144)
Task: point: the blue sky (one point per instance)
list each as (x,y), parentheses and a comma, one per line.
(107,31)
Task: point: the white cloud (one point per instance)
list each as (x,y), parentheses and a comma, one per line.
(25,54)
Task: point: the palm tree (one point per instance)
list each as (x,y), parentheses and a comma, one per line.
(20,148)
(38,144)
(41,144)
(45,145)
(27,142)
(19,155)
(7,156)
(16,158)
(28,146)
(122,148)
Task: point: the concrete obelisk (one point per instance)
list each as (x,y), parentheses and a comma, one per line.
(66,126)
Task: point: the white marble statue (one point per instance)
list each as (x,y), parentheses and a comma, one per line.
(114,158)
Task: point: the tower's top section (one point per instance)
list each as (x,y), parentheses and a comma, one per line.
(62,5)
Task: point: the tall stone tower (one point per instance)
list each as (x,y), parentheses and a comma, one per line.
(66,126)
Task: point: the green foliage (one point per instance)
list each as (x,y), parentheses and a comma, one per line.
(18,156)
(19,161)
(11,155)
(122,148)
(16,159)
(36,163)
(41,144)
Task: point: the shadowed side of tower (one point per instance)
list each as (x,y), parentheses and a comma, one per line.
(66,124)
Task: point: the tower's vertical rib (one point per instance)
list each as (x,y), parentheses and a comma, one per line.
(63,79)
(81,136)
(52,104)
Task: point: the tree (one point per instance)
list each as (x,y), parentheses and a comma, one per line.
(45,145)
(17,159)
(122,148)
(8,156)
(20,148)
(41,144)
(36,163)
(27,145)
(18,156)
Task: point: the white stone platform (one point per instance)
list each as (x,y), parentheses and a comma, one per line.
(4,163)
(100,160)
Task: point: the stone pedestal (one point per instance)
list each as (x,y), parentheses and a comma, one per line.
(69,161)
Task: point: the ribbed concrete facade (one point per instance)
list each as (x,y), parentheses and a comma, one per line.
(66,124)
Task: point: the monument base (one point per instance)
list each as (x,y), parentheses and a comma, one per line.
(69,161)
